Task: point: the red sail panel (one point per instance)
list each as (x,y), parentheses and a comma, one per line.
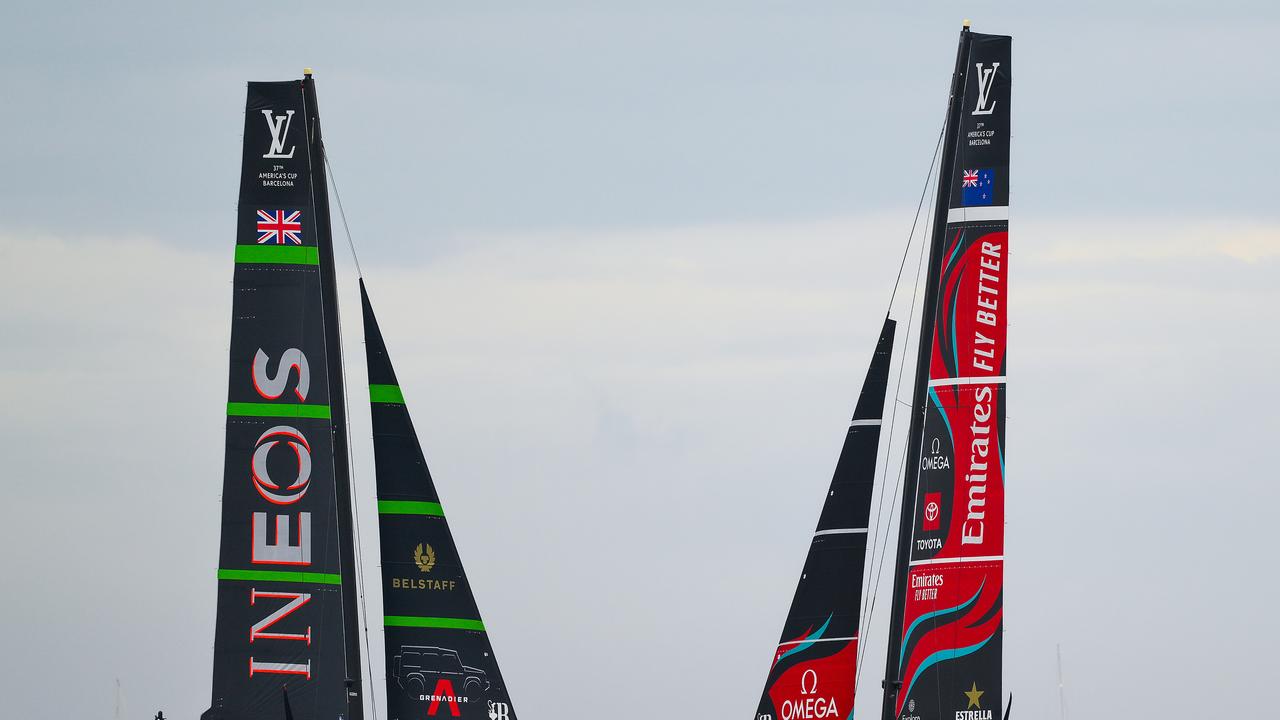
(950,657)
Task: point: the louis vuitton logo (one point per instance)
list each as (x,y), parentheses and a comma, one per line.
(279,127)
(986,78)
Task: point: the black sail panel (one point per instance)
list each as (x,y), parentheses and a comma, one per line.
(439,659)
(815,666)
(280,618)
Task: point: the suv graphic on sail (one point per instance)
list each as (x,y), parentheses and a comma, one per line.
(419,670)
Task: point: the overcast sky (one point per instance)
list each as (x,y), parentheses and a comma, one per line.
(630,263)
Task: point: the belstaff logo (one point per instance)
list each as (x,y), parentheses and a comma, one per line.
(986,78)
(269,489)
(424,557)
(279,127)
(499,711)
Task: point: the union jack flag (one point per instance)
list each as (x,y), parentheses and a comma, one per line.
(279,227)
(970,179)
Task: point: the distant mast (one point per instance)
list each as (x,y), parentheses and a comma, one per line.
(286,600)
(946,625)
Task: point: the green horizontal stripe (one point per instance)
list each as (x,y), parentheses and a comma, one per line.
(313,578)
(386,394)
(432,622)
(278,410)
(277,254)
(409,507)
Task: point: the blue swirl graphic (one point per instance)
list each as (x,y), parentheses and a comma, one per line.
(808,641)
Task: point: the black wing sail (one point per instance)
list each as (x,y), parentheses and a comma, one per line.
(815,665)
(439,660)
(284,580)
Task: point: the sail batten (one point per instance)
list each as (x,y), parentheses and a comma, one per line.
(814,668)
(439,660)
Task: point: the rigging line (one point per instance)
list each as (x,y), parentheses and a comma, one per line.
(324,153)
(906,251)
(1062,692)
(923,191)
(929,174)
(896,282)
(351,458)
(902,467)
(871,588)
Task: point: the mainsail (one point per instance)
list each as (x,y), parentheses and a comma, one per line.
(439,660)
(946,627)
(286,600)
(815,666)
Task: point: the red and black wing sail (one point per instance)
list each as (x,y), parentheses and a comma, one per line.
(439,659)
(285,582)
(815,666)
(949,657)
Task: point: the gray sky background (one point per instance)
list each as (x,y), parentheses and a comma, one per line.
(630,263)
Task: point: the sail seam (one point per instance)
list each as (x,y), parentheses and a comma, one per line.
(969,380)
(816,640)
(409,507)
(277,255)
(385,394)
(944,561)
(842,531)
(247,409)
(280,576)
(432,622)
(977,214)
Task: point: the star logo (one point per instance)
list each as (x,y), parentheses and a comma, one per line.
(975,697)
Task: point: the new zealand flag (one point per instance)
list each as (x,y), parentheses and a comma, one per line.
(978,187)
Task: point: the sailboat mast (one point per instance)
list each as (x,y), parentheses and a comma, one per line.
(1062,691)
(337,403)
(915,436)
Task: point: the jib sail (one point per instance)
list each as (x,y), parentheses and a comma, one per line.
(439,660)
(815,666)
(946,638)
(285,602)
